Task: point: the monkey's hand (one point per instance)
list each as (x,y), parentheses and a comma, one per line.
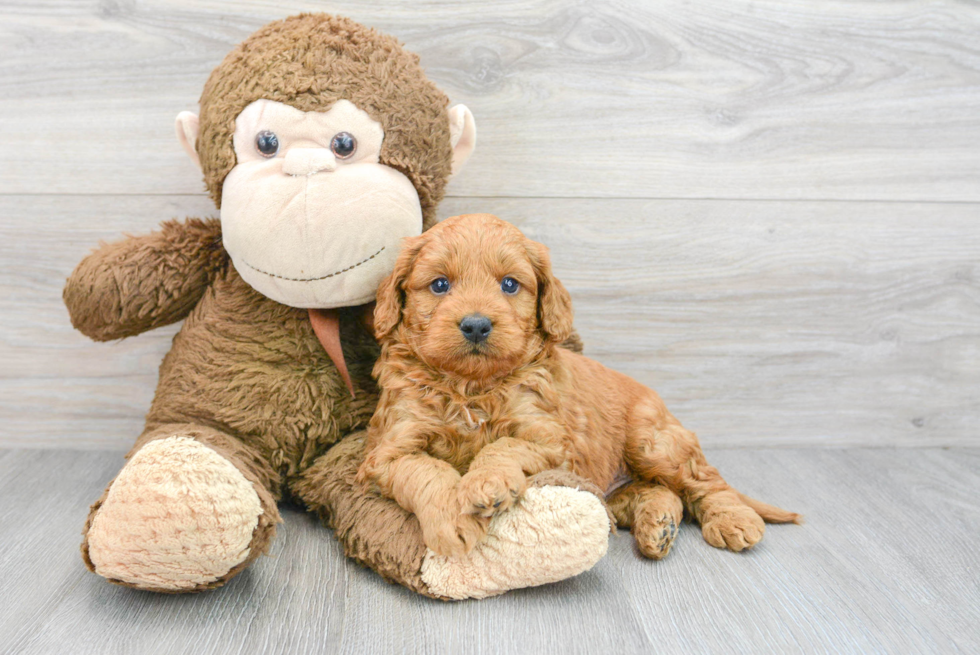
(140,283)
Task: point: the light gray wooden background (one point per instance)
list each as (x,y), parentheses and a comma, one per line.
(769,211)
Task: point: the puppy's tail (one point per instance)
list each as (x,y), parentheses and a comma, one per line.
(771,514)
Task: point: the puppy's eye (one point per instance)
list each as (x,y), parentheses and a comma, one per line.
(343,145)
(439,286)
(267,143)
(510,286)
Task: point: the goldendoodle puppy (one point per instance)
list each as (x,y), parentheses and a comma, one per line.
(476,394)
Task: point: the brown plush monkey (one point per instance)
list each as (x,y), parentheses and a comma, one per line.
(323,144)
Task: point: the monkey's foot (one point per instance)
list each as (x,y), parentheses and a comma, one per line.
(554,532)
(178,517)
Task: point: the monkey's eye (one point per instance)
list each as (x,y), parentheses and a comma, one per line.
(510,286)
(343,145)
(439,286)
(267,143)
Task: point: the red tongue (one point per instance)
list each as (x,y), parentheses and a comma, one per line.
(326,325)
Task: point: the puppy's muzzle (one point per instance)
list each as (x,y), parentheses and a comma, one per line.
(476,328)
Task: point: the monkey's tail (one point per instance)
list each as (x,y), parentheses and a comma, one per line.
(771,514)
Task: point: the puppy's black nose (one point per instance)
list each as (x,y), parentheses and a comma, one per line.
(476,327)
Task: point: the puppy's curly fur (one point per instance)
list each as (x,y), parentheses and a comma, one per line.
(462,421)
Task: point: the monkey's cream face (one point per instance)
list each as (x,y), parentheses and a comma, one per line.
(309,215)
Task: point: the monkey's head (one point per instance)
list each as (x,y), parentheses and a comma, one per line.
(323,144)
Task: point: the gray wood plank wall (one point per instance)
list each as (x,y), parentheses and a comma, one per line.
(769,211)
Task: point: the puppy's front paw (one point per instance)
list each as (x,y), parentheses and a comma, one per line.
(734,526)
(486,491)
(471,529)
(655,534)
(442,537)
(454,537)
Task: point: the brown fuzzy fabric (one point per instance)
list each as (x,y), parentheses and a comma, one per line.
(141,283)
(263,479)
(241,364)
(311,61)
(375,531)
(250,367)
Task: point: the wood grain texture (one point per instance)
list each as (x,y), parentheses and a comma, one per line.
(614,98)
(760,323)
(684,162)
(885,563)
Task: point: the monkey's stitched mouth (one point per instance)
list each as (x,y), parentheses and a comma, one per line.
(314,279)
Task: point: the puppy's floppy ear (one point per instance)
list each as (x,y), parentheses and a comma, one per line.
(554,303)
(391,293)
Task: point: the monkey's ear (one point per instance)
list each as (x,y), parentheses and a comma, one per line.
(554,304)
(391,293)
(462,135)
(187,128)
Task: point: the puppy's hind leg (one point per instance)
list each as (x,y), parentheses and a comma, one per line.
(652,511)
(659,448)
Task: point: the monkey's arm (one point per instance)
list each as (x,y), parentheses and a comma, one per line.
(144,282)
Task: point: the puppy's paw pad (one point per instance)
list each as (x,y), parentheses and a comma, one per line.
(484,493)
(655,537)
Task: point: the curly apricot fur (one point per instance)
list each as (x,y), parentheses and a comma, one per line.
(459,425)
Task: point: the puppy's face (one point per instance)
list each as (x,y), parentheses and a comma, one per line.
(473,297)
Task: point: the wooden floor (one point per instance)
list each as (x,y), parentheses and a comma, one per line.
(887,562)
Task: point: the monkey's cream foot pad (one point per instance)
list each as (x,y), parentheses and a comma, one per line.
(177,516)
(553,533)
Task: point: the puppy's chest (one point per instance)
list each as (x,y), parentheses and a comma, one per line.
(467,428)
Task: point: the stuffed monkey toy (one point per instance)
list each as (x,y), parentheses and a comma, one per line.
(323,144)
